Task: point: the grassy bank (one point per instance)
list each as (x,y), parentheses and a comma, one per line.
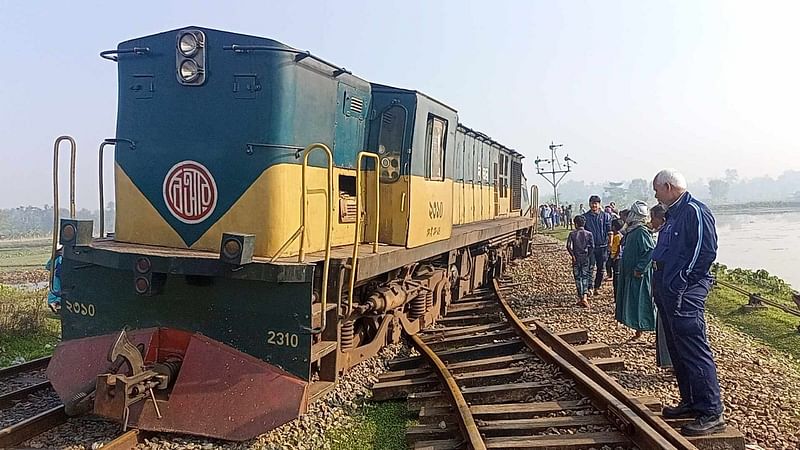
(27,327)
(774,327)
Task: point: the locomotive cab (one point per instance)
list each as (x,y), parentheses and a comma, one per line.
(414,136)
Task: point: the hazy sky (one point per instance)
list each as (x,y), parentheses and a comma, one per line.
(628,86)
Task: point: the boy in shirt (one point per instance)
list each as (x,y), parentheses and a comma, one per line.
(580,246)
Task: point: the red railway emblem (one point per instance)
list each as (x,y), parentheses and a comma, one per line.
(190,192)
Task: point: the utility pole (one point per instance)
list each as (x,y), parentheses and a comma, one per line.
(557,172)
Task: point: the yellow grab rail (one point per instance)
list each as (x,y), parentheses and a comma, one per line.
(361,156)
(301,231)
(55,198)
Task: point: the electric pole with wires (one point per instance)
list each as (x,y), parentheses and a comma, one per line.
(556,171)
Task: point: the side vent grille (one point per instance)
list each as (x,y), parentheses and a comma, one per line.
(516,185)
(356,105)
(347,209)
(387,118)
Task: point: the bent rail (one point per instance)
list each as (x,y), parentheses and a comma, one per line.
(466,422)
(633,418)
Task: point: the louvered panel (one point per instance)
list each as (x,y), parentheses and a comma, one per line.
(356,105)
(516,185)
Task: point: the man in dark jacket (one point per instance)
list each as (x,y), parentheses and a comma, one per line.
(686,247)
(598,222)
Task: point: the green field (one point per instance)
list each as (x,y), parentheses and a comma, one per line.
(24,254)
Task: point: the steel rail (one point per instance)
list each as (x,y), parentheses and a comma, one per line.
(32,426)
(9,398)
(633,418)
(34,364)
(469,429)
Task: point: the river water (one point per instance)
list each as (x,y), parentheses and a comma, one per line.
(761,239)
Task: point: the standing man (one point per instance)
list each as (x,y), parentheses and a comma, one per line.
(568,217)
(687,245)
(598,222)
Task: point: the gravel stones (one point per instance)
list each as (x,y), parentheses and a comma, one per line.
(32,405)
(19,381)
(760,386)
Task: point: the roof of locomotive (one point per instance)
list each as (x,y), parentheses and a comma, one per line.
(375,86)
(482,136)
(385,87)
(248,37)
(485,137)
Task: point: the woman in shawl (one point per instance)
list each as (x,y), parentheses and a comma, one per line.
(634,293)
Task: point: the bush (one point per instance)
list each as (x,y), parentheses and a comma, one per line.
(21,311)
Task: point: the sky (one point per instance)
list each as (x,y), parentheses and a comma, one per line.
(628,87)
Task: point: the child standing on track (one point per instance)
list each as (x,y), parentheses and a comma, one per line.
(580,246)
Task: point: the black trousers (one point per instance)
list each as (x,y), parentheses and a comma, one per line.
(598,263)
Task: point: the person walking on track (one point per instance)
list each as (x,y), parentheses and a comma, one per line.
(598,222)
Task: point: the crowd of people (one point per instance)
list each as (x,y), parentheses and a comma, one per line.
(554,216)
(658,261)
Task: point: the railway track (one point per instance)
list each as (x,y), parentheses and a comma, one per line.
(28,405)
(473,388)
(33,419)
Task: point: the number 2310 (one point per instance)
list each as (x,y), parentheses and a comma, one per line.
(282,338)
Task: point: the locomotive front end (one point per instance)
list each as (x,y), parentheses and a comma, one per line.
(184,320)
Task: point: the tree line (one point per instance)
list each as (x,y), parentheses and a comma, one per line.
(25,222)
(727,190)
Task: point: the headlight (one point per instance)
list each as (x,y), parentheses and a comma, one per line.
(189,71)
(190,57)
(188,44)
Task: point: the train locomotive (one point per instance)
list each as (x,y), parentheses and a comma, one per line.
(278,221)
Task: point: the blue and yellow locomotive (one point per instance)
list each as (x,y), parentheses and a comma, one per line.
(278,221)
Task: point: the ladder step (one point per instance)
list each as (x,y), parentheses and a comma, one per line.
(316,313)
(321,349)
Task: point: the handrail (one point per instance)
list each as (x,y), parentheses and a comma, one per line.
(55,198)
(299,55)
(534,205)
(111,55)
(357,241)
(304,209)
(301,231)
(109,141)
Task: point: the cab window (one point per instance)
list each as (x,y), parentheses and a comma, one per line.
(436,139)
(390,142)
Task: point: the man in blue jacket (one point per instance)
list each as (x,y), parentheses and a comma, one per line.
(686,247)
(598,222)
